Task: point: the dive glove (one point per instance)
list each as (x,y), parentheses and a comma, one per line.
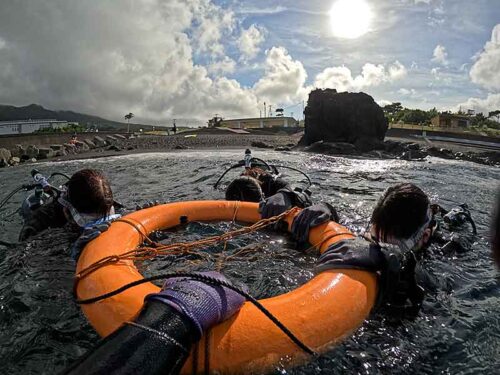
(203,304)
(311,217)
(283,200)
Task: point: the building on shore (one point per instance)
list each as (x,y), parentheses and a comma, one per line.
(259,122)
(449,120)
(30,126)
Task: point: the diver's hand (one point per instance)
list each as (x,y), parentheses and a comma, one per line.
(275,205)
(203,304)
(147,204)
(87,235)
(310,217)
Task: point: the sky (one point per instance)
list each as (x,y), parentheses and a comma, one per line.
(192,59)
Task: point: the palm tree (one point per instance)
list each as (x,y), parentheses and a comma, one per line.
(128,117)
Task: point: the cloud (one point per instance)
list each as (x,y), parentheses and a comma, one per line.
(250,41)
(283,80)
(488,104)
(440,55)
(341,78)
(142,63)
(406,92)
(225,66)
(486,70)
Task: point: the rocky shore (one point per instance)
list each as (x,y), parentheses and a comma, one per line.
(117,144)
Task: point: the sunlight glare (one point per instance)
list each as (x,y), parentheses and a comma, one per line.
(350,18)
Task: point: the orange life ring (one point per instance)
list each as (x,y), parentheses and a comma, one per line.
(320,313)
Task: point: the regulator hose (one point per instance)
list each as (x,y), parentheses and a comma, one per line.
(208,280)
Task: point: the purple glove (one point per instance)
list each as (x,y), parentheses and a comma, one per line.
(311,217)
(205,305)
(275,205)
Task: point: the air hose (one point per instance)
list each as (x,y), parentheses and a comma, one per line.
(208,280)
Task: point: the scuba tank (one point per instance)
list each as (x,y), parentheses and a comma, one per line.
(43,193)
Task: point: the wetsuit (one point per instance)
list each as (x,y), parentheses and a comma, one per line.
(158,341)
(50,215)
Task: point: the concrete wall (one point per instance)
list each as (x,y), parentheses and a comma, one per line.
(408,132)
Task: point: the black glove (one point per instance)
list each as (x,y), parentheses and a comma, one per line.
(311,217)
(275,205)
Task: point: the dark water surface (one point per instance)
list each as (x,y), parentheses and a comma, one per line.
(457,331)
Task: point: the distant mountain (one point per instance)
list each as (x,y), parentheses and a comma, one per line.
(35,112)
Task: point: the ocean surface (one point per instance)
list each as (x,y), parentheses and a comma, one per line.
(42,330)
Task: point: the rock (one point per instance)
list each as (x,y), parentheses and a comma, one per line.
(18,151)
(31,152)
(332,148)
(89,143)
(394,147)
(99,142)
(440,152)
(57,147)
(119,136)
(5,156)
(32,160)
(70,148)
(111,139)
(368,144)
(413,155)
(281,148)
(260,144)
(183,147)
(113,148)
(81,147)
(413,146)
(130,148)
(14,160)
(342,117)
(45,153)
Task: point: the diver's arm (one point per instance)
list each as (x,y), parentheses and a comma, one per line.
(49,215)
(157,342)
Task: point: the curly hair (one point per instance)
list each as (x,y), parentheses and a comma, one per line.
(89,192)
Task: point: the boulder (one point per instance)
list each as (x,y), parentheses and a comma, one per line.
(440,152)
(5,156)
(260,144)
(113,148)
(368,144)
(31,152)
(342,117)
(111,139)
(45,153)
(90,143)
(99,142)
(14,160)
(18,151)
(81,147)
(332,148)
(57,147)
(119,136)
(70,148)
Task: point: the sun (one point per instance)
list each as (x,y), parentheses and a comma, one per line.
(350,18)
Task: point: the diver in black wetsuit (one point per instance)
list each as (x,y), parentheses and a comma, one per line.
(159,339)
(86,207)
(402,226)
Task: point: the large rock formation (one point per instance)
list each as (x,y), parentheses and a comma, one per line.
(344,117)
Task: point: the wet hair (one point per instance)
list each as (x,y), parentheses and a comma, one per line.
(244,188)
(89,192)
(400,212)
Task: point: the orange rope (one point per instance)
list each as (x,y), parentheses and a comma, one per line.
(146,253)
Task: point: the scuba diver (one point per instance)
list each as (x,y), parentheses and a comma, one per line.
(159,339)
(84,205)
(401,228)
(260,180)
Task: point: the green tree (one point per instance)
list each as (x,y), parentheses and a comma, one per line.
(128,117)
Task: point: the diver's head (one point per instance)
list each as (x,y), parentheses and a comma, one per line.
(402,217)
(88,197)
(244,188)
